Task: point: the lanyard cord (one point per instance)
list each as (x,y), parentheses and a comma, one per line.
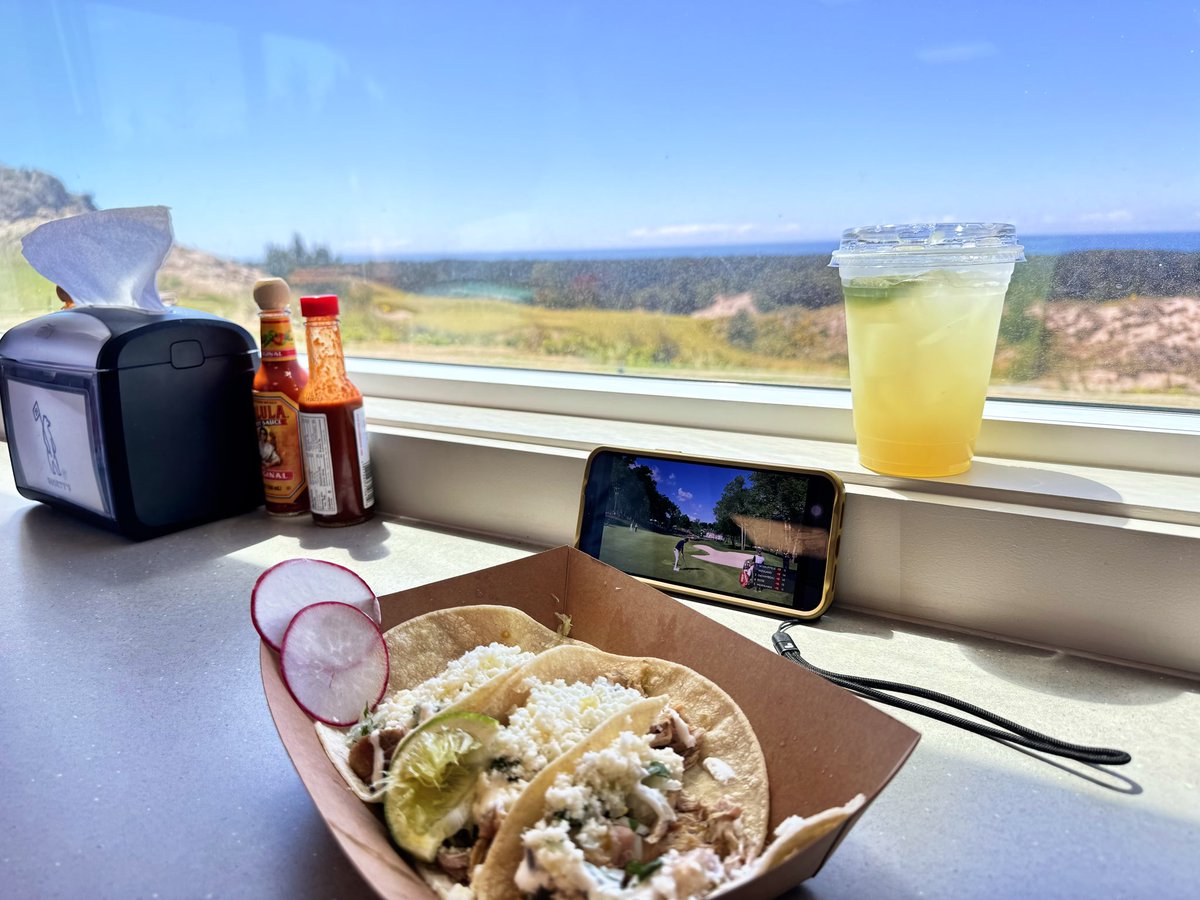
(1007,731)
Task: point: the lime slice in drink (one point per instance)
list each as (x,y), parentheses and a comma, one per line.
(432,777)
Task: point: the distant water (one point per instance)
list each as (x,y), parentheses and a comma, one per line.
(1186,241)
(1036,245)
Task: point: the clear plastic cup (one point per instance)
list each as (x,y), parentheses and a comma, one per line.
(923,306)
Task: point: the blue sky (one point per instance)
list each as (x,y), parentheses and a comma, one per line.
(694,489)
(385,128)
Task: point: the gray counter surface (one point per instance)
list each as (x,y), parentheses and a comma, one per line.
(139,758)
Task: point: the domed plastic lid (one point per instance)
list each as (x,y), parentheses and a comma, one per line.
(957,242)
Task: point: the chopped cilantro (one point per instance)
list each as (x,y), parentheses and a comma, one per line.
(641,870)
(657,769)
(563,816)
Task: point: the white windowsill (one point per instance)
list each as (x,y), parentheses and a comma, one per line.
(1150,440)
(1101,560)
(1084,536)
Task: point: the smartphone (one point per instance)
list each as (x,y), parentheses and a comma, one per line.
(764,537)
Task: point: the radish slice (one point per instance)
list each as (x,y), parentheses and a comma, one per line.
(287,587)
(334,662)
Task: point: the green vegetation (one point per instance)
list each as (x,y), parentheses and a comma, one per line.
(1100,275)
(1025,337)
(282,260)
(379,320)
(635,316)
(652,555)
(774,496)
(23,292)
(634,496)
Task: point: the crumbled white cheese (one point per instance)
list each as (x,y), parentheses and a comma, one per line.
(605,779)
(472,670)
(557,716)
(690,874)
(580,808)
(559,861)
(719,769)
(554,718)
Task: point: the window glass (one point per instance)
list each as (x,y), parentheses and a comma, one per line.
(637,188)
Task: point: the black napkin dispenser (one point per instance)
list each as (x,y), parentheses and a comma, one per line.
(138,421)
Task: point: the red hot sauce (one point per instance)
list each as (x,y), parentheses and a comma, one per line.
(332,424)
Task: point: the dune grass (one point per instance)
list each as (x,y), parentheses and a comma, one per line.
(23,292)
(381,321)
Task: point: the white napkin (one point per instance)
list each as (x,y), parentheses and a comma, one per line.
(105,258)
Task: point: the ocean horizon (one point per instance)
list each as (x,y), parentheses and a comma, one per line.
(1035,245)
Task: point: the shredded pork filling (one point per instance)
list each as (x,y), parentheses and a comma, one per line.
(524,747)
(370,755)
(620,825)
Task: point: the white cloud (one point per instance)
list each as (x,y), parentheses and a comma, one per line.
(655,474)
(957,53)
(693,230)
(683,496)
(376,246)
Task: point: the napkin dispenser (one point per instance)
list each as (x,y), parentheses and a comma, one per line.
(140,421)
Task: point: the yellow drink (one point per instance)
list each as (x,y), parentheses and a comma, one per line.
(921,348)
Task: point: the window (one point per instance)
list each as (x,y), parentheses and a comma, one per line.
(648,190)
(526,205)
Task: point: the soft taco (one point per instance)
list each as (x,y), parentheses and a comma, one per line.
(435,660)
(617,817)
(454,783)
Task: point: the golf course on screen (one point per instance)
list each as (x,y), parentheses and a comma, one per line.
(706,564)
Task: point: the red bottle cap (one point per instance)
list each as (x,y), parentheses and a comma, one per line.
(325,305)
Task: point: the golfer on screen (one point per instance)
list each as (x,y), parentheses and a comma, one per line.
(679,552)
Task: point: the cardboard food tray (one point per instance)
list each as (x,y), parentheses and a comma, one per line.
(822,745)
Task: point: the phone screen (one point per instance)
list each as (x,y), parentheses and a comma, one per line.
(757,534)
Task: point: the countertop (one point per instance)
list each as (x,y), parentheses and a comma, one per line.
(139,758)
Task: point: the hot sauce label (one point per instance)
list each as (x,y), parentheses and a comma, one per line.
(278,344)
(279,446)
(364,458)
(318,462)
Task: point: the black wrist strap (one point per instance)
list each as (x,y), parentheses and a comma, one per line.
(1008,731)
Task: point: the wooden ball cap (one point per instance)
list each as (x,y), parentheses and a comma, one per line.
(272,293)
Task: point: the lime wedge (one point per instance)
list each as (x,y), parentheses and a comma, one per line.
(431,781)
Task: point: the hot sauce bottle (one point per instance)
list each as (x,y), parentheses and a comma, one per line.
(333,425)
(277,386)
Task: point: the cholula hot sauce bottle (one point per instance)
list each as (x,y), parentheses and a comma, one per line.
(277,386)
(333,426)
